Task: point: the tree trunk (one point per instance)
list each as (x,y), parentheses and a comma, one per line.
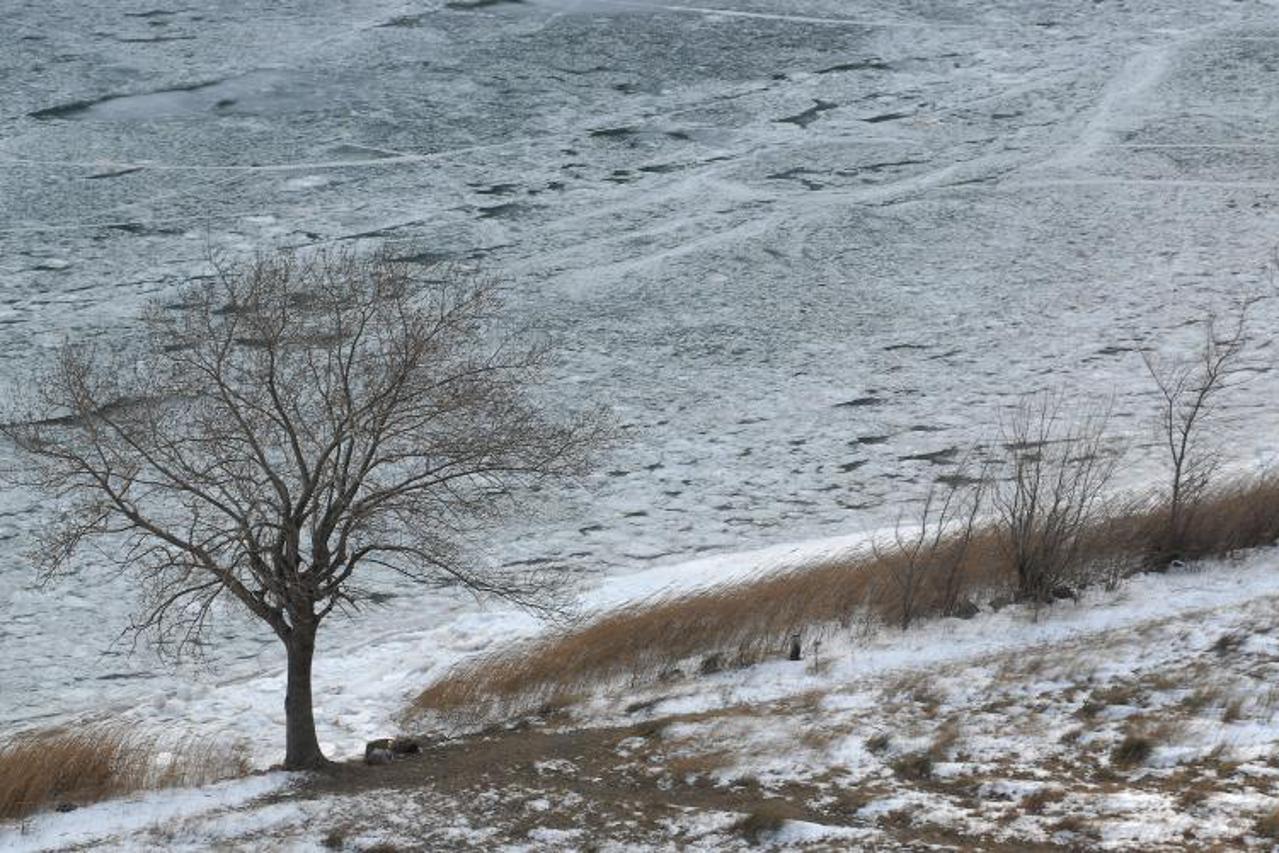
(302,748)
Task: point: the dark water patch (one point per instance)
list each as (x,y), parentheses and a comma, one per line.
(797,174)
(143,229)
(871,439)
(534,561)
(386,231)
(851,466)
(428,259)
(1024,446)
(578,72)
(126,676)
(809,115)
(956,481)
(895,347)
(75,109)
(407,22)
(484,251)
(879,167)
(50,266)
(152,13)
(927,428)
(1005,116)
(466,5)
(936,457)
(1114,350)
(662,168)
(857,507)
(351,151)
(680,135)
(886,117)
(612,132)
(860,402)
(864,65)
(496,189)
(151,39)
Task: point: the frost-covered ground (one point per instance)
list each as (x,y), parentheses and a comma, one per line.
(1006,731)
(806,250)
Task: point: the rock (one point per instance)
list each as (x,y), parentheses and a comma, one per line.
(405,746)
(965,610)
(795,648)
(1062,592)
(375,756)
(387,749)
(65,807)
(711,664)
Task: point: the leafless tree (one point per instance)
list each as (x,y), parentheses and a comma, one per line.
(926,559)
(1057,476)
(1189,390)
(289,427)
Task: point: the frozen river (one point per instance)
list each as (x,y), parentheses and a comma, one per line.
(807,249)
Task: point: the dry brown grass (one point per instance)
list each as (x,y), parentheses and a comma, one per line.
(66,767)
(744,623)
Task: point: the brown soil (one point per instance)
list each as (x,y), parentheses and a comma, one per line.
(626,795)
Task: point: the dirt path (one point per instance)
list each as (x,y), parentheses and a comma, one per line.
(614,786)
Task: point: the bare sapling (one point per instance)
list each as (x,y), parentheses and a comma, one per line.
(1190,390)
(1052,494)
(924,564)
(287,430)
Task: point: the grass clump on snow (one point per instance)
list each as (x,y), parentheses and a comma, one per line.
(745,623)
(74,766)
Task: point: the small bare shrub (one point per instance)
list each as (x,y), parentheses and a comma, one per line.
(915,766)
(944,740)
(1035,802)
(930,554)
(1267,826)
(1229,643)
(1134,749)
(1233,711)
(1190,389)
(765,820)
(1053,494)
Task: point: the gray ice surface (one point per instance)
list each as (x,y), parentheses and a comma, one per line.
(808,250)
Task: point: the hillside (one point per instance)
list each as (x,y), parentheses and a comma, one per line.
(1139,719)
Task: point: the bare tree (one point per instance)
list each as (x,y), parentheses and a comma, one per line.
(1189,389)
(285,429)
(927,556)
(1058,473)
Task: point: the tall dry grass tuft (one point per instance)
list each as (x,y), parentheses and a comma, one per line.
(744,623)
(48,768)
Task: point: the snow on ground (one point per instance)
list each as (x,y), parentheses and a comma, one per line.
(1142,718)
(140,813)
